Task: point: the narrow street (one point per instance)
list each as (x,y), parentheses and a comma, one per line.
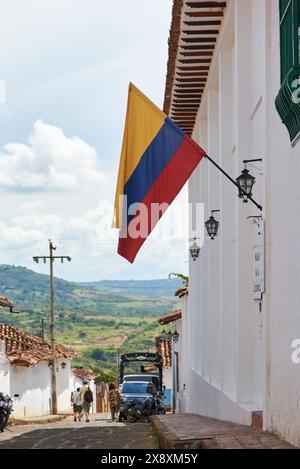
(99,433)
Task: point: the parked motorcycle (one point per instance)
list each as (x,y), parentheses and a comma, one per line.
(6,408)
(142,409)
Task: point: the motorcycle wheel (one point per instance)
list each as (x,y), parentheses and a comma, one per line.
(131,415)
(3,421)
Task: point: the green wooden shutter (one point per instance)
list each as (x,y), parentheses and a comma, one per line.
(286,37)
(288,109)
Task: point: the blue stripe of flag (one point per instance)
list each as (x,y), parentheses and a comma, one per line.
(157,156)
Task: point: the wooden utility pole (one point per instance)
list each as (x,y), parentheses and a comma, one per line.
(43,329)
(52,320)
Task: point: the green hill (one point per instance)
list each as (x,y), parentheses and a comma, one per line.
(98,319)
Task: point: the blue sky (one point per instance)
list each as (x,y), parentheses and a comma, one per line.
(66,65)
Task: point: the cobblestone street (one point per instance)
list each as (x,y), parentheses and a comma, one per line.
(99,433)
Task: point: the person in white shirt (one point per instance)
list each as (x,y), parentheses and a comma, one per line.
(76,400)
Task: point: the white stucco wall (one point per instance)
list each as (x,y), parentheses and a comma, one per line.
(239,353)
(33,386)
(4,370)
(282,397)
(64,386)
(226,347)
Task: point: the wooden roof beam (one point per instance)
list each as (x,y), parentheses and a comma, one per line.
(192,69)
(189,90)
(181,86)
(194,61)
(203,14)
(197,54)
(203,23)
(191,78)
(198,47)
(202,32)
(206,4)
(198,39)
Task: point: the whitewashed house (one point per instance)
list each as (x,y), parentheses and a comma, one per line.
(24,370)
(233,85)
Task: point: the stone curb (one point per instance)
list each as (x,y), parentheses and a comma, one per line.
(37,420)
(167,439)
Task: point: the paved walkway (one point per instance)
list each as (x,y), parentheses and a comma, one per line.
(194,431)
(99,433)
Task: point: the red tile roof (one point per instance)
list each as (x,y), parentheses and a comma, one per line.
(84,373)
(170,317)
(25,349)
(164,348)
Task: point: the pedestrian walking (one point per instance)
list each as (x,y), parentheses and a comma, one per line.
(77,404)
(88,398)
(114,400)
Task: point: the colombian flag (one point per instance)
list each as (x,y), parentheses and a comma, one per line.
(157,158)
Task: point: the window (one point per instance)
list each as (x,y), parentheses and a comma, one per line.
(288,99)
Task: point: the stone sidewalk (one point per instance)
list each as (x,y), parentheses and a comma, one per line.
(187,431)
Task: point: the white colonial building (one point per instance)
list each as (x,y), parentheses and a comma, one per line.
(24,370)
(233,85)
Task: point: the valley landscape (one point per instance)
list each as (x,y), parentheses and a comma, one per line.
(99,320)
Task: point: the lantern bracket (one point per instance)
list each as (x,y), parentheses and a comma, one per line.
(233,181)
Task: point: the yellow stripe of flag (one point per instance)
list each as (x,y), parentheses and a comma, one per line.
(143,122)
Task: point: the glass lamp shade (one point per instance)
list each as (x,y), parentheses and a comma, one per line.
(245,181)
(194,251)
(169,335)
(212,226)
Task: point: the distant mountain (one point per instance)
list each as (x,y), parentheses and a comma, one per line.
(29,291)
(160,287)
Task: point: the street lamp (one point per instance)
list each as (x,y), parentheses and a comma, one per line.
(212,225)
(194,250)
(173,338)
(246,181)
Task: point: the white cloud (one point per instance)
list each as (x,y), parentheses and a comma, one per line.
(49,161)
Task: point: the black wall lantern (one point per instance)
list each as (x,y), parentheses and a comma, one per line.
(212,225)
(246,182)
(194,250)
(175,336)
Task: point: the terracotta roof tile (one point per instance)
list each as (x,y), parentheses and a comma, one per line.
(25,349)
(170,317)
(84,373)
